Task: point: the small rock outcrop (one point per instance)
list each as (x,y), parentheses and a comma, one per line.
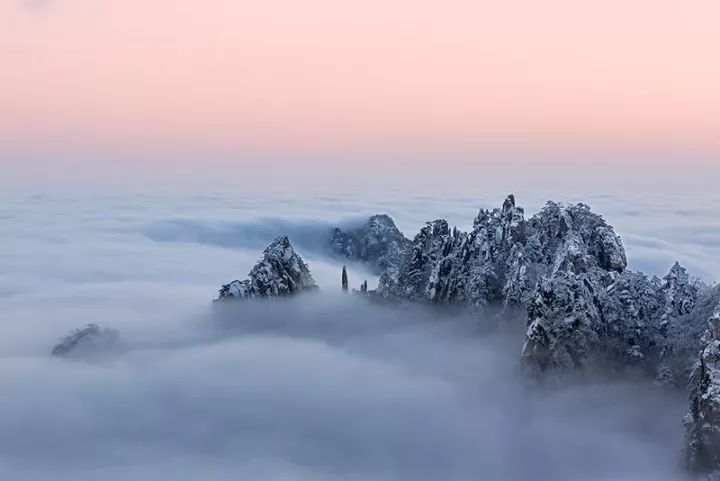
(702,424)
(281,272)
(89,340)
(377,243)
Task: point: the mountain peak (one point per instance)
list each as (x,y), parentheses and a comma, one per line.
(281,272)
(378,242)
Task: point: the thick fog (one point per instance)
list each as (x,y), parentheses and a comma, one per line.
(322,387)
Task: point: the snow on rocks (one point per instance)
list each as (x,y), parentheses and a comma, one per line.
(281,272)
(504,257)
(568,268)
(702,424)
(635,318)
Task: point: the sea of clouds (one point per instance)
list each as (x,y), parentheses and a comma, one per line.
(323,387)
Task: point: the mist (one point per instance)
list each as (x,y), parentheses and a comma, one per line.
(322,387)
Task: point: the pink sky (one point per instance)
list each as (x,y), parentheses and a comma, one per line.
(372,74)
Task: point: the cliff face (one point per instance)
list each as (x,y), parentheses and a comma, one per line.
(565,325)
(580,259)
(281,272)
(652,324)
(702,424)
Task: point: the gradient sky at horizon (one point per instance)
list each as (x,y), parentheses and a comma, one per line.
(185,83)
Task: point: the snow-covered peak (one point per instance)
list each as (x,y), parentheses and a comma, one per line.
(680,292)
(281,272)
(381,224)
(507,217)
(280,249)
(577,225)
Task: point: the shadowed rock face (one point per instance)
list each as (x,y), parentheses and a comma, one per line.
(86,341)
(378,243)
(281,272)
(702,424)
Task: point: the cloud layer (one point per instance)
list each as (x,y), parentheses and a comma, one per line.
(324,387)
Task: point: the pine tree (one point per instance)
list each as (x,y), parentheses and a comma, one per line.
(344,279)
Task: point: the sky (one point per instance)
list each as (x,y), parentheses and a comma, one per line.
(181,84)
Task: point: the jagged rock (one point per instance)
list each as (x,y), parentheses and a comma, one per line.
(378,243)
(631,307)
(88,340)
(702,424)
(344,279)
(427,249)
(502,259)
(566,232)
(632,315)
(633,321)
(680,293)
(686,305)
(452,267)
(281,272)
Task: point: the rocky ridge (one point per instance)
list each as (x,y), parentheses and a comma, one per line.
(585,311)
(504,256)
(568,269)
